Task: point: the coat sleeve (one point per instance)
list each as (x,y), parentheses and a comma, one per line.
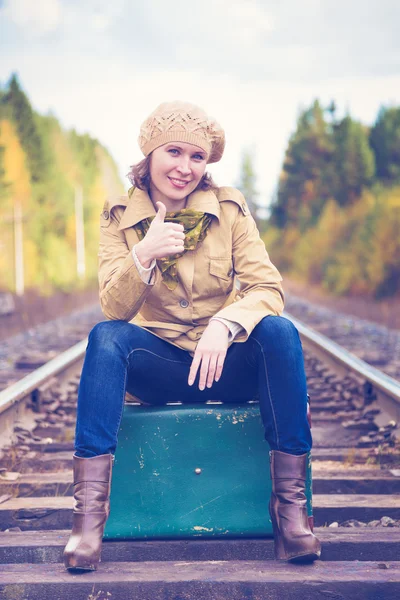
(261,292)
(122,290)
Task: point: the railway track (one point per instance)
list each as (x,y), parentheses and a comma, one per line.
(356,501)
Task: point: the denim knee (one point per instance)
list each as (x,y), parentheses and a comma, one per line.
(107,336)
(276,331)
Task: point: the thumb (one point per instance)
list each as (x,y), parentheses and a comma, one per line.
(162,211)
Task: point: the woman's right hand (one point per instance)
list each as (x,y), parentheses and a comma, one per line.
(161,240)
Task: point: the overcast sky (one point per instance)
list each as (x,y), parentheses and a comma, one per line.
(102,66)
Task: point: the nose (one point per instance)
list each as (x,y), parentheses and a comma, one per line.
(184,166)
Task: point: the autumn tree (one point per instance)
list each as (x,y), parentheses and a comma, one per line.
(24,118)
(306,181)
(354,162)
(3,183)
(385,142)
(247,183)
(331,223)
(44,168)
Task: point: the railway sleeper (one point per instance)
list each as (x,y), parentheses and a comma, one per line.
(41,547)
(56,512)
(344,482)
(205,580)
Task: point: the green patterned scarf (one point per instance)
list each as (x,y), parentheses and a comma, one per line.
(195,225)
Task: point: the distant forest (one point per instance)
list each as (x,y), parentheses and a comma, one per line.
(42,168)
(335,217)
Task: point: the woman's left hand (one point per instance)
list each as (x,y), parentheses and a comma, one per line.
(210,353)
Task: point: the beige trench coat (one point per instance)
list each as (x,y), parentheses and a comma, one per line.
(232,250)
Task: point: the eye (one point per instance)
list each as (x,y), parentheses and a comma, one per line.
(198,157)
(173,150)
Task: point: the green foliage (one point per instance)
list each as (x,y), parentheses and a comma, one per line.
(385,142)
(247,182)
(84,148)
(307,176)
(354,162)
(351,250)
(24,117)
(43,167)
(335,219)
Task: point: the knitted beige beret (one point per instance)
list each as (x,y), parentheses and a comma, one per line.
(182,122)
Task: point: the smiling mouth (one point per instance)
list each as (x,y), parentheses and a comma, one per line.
(178,182)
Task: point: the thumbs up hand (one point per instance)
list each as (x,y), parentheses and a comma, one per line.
(161,240)
(162,211)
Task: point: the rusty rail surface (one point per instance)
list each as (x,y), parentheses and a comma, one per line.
(377,385)
(356,482)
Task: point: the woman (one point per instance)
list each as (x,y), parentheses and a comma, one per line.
(169,256)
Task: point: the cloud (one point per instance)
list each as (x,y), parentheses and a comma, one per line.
(251,40)
(100,22)
(249,63)
(97,16)
(38,17)
(254,40)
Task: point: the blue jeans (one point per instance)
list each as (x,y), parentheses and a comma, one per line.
(123,357)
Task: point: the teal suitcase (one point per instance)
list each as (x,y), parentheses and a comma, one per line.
(191,471)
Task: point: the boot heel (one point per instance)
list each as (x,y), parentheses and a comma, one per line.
(92,481)
(294,540)
(280,552)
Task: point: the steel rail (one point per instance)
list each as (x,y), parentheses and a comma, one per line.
(28,384)
(377,385)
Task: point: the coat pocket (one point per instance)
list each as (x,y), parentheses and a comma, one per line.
(221,267)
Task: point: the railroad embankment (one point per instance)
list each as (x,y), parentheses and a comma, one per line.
(385,312)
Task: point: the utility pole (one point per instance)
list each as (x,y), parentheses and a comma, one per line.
(80,233)
(18,249)
(17,220)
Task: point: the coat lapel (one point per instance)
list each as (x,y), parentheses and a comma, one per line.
(140,206)
(205,202)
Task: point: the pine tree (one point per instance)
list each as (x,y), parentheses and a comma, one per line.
(385,142)
(331,109)
(353,159)
(307,177)
(24,118)
(247,183)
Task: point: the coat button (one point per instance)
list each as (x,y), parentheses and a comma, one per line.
(184,303)
(230,273)
(106,214)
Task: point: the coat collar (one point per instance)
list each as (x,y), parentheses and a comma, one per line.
(140,206)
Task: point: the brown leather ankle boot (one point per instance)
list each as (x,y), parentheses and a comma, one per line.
(294,540)
(92,483)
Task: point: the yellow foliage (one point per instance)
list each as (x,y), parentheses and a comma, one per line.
(14,163)
(64,155)
(48,210)
(352,250)
(281,245)
(6,255)
(31,262)
(18,189)
(70,231)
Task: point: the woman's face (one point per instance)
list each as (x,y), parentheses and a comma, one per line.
(176,169)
